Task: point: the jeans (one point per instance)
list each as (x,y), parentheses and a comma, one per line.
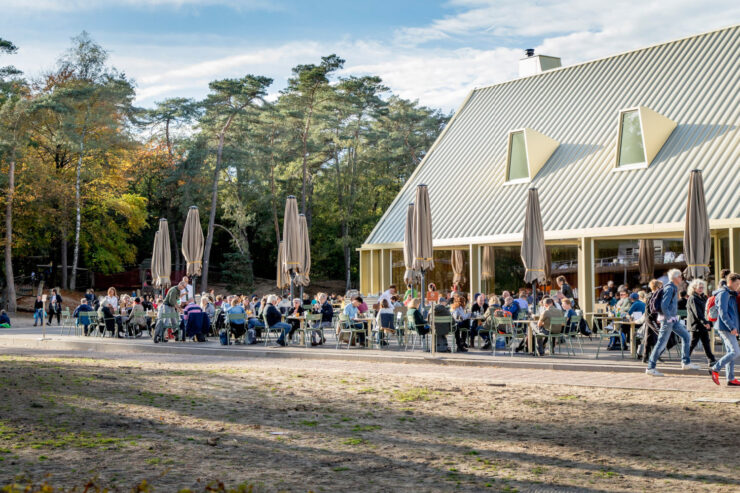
(38,316)
(284,327)
(666,328)
(732,351)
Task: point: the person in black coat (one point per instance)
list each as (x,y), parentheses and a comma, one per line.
(55,306)
(696,319)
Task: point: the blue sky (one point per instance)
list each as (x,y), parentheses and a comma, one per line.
(431,51)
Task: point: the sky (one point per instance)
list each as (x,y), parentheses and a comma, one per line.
(433,52)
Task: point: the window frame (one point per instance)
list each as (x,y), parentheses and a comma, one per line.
(633,166)
(507,171)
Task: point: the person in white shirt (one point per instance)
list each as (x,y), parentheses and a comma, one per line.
(187,292)
(387,295)
(112,299)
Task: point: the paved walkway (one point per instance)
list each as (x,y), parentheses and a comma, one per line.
(609,372)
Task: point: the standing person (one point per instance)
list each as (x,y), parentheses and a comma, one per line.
(565,287)
(55,306)
(669,325)
(728,325)
(168,306)
(187,292)
(38,311)
(112,298)
(696,319)
(387,294)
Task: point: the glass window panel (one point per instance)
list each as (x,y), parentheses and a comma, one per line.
(517,157)
(631,150)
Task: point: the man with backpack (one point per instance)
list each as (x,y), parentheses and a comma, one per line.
(727,325)
(665,304)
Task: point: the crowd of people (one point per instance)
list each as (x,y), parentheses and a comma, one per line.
(667,313)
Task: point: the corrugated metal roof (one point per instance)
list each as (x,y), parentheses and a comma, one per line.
(692,81)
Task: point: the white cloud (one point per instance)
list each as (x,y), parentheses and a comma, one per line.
(434,63)
(19,6)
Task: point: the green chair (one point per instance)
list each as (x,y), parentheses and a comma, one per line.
(270,330)
(614,334)
(310,324)
(236,318)
(67,322)
(92,319)
(346,326)
(413,329)
(571,331)
(513,333)
(442,320)
(170,321)
(489,327)
(554,334)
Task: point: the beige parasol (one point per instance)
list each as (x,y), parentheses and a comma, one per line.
(533,240)
(697,244)
(457,261)
(303,278)
(646,260)
(422,231)
(154,264)
(163,256)
(292,253)
(488,267)
(192,242)
(282,279)
(410,276)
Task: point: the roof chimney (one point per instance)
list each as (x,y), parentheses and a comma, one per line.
(533,64)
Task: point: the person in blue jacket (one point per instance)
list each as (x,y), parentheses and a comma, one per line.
(727,325)
(669,323)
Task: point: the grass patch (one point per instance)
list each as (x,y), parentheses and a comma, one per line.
(606,474)
(538,470)
(306,422)
(340,469)
(412,395)
(361,428)
(354,441)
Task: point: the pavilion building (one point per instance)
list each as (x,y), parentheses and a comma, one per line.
(608,143)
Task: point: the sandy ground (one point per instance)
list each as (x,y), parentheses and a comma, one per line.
(304,425)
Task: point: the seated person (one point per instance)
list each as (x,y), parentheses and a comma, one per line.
(106,316)
(362,307)
(237,321)
(273,319)
(570,313)
(442,329)
(462,320)
(352,311)
(638,304)
(511,307)
(296,310)
(83,320)
(385,321)
(4,319)
(421,325)
(480,307)
(137,318)
(544,323)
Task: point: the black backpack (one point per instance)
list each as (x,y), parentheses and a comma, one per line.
(655,302)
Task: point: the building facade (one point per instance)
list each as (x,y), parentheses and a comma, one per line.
(609,144)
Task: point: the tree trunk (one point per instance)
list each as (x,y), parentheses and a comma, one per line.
(65,255)
(176,245)
(304,138)
(347,255)
(272,195)
(214,203)
(78,209)
(10,291)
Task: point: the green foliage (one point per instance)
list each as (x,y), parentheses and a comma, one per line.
(343,145)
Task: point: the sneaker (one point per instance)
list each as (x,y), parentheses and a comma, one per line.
(733,383)
(486,346)
(690,366)
(715,376)
(653,372)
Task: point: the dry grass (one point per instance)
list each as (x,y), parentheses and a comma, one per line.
(67,420)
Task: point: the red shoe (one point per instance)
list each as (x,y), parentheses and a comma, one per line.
(733,383)
(715,376)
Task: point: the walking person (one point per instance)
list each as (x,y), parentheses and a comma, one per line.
(168,306)
(669,324)
(55,306)
(38,311)
(727,325)
(696,319)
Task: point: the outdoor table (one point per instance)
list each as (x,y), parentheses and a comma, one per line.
(530,345)
(633,325)
(366,321)
(302,320)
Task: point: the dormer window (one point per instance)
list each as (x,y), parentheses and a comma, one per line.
(527,153)
(642,133)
